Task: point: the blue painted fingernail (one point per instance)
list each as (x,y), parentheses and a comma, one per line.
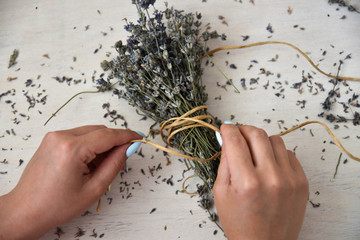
(135,146)
(229,122)
(219,138)
(140,133)
(132,148)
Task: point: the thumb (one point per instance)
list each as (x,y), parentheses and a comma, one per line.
(106,172)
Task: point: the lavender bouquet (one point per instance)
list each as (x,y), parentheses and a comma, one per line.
(159,72)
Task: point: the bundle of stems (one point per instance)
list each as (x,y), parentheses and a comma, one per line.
(159,72)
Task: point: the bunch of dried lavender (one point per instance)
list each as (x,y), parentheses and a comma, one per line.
(159,69)
(342,3)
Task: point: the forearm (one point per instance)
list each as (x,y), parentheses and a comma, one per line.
(17,221)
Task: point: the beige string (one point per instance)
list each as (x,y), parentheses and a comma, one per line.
(98,207)
(178,124)
(336,141)
(183,186)
(284,43)
(183,123)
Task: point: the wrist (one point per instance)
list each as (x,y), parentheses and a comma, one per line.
(8,223)
(18,219)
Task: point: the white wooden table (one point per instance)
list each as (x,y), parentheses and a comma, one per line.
(58,30)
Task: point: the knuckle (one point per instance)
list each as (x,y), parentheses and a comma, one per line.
(305,184)
(61,142)
(260,133)
(290,153)
(65,145)
(298,187)
(292,187)
(277,140)
(99,189)
(52,136)
(250,187)
(255,132)
(277,186)
(293,184)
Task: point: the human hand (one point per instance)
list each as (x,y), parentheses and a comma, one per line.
(68,173)
(261,190)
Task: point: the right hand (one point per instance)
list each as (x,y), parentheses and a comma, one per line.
(261,190)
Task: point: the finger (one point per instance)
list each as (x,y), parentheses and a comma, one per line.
(260,146)
(105,173)
(280,152)
(83,130)
(294,162)
(223,173)
(103,140)
(236,151)
(222,181)
(299,171)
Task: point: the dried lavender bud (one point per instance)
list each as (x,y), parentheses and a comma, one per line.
(13,58)
(213,217)
(356,120)
(201,190)
(342,3)
(144,3)
(205,202)
(105,65)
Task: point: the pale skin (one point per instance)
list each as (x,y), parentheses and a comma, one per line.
(260,193)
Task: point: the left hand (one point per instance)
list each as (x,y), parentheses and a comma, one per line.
(69,172)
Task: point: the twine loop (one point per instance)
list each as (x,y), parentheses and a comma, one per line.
(178,124)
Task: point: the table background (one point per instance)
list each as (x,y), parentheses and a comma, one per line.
(58,29)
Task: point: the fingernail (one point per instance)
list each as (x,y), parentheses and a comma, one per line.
(229,122)
(135,146)
(132,148)
(219,139)
(140,133)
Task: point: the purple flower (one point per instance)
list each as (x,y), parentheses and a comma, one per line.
(158,17)
(129,27)
(144,3)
